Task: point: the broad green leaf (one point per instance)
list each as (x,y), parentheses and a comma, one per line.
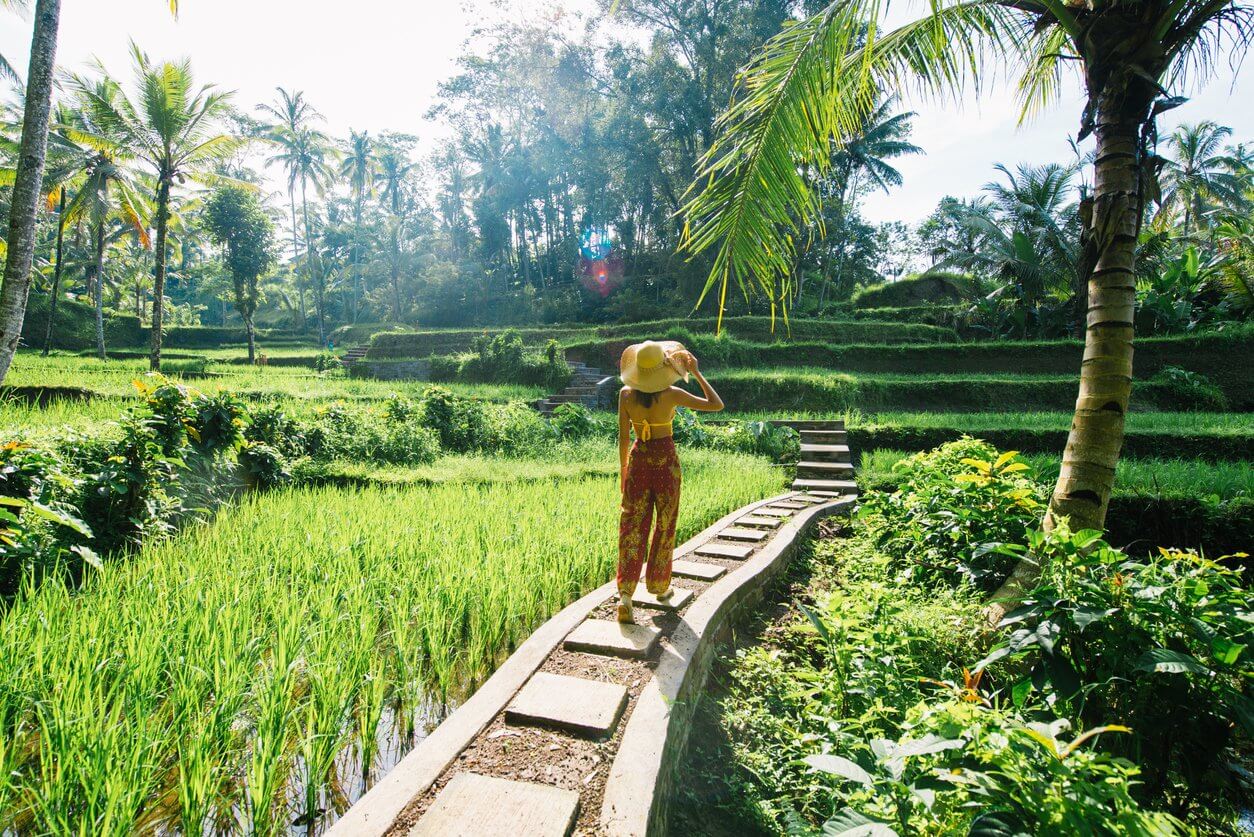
(839,766)
(849,823)
(1170,662)
(928,744)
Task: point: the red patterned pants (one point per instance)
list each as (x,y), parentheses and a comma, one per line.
(650,500)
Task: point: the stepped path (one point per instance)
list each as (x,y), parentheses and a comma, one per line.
(588,386)
(354,354)
(574,731)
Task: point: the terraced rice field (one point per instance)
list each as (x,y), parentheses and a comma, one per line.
(253,673)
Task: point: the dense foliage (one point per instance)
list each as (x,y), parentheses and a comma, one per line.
(1112,702)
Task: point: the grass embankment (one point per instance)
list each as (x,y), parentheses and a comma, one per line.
(309,614)
(1220,356)
(813,389)
(426,342)
(91,377)
(1165,435)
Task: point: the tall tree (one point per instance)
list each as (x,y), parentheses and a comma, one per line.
(815,82)
(358,168)
(293,116)
(237,221)
(28,180)
(172,127)
(1200,173)
(394,166)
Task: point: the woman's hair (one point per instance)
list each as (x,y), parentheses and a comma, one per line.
(644,399)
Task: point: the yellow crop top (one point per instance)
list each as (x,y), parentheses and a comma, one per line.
(644,429)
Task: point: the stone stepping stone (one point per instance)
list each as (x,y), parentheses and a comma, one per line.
(724,550)
(771,511)
(754,520)
(612,638)
(701,572)
(472,805)
(675,601)
(786,504)
(573,704)
(735,533)
(813,499)
(847,486)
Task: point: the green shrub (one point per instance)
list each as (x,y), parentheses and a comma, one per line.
(1022,777)
(75,326)
(1174,388)
(956,510)
(1160,645)
(262,466)
(933,286)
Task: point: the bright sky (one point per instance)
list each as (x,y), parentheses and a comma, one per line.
(375,64)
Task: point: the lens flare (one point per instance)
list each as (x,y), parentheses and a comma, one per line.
(600,268)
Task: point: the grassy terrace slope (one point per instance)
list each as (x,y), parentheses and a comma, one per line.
(811,389)
(419,344)
(1221,356)
(80,376)
(313,631)
(1166,435)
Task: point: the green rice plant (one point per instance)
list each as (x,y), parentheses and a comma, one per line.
(214,680)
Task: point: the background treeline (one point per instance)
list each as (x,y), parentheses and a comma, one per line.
(557,199)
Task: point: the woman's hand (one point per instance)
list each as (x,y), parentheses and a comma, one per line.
(684,361)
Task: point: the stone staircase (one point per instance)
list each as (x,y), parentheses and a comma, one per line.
(825,467)
(588,386)
(353,355)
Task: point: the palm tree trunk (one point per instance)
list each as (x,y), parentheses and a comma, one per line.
(396,271)
(291,196)
(311,260)
(100,236)
(56,273)
(28,180)
(158,278)
(1082,492)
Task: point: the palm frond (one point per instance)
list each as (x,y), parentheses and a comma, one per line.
(811,85)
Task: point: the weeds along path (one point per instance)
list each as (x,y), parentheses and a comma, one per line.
(237,677)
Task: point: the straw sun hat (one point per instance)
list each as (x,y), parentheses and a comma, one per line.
(648,367)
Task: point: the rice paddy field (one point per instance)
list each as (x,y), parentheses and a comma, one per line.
(252,674)
(212,370)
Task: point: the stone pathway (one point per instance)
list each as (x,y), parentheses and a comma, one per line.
(540,766)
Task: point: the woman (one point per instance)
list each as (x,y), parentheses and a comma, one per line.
(649,469)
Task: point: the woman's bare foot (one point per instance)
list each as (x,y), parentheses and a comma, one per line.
(666,594)
(624,609)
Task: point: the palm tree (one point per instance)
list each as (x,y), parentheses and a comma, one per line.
(172,128)
(816,81)
(293,115)
(394,166)
(28,179)
(7,70)
(880,138)
(358,167)
(105,189)
(1201,173)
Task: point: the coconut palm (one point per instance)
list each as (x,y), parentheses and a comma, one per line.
(394,167)
(815,82)
(106,189)
(171,127)
(881,137)
(28,179)
(1201,174)
(358,168)
(293,115)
